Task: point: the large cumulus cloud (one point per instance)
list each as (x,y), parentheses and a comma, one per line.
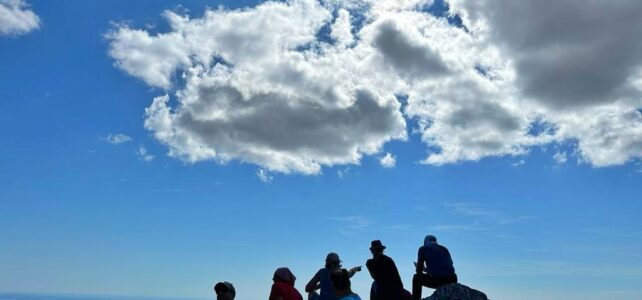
(294,86)
(16,18)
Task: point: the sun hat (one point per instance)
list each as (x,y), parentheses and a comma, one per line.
(377,245)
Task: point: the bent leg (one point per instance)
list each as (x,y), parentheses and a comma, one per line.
(418,282)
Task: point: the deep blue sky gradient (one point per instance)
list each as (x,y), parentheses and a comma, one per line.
(80,215)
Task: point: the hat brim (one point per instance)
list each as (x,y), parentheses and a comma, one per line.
(378,248)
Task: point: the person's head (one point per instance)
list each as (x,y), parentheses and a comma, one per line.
(224,291)
(284,275)
(340,281)
(332,261)
(430,240)
(376,247)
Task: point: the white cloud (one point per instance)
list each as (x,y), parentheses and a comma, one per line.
(261,86)
(560,157)
(144,155)
(342,29)
(16,18)
(264,175)
(521,162)
(116,139)
(388,161)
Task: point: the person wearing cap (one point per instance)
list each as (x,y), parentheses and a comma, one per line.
(387,282)
(341,284)
(224,291)
(434,267)
(283,287)
(321,280)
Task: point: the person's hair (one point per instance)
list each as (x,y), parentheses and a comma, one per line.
(340,279)
(332,264)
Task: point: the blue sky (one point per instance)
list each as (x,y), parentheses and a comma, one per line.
(553,216)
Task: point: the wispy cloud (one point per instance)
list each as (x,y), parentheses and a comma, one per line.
(353,223)
(343,172)
(560,158)
(117,139)
(521,162)
(457,228)
(479,212)
(144,155)
(469,208)
(264,175)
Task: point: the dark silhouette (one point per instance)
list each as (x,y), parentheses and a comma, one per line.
(283,287)
(387,282)
(341,284)
(321,280)
(224,291)
(434,267)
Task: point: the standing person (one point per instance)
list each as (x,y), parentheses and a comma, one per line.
(341,284)
(283,287)
(387,282)
(224,291)
(321,280)
(434,267)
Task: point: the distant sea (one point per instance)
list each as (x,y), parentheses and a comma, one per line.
(16,296)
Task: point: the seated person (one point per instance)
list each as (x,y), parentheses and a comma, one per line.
(434,267)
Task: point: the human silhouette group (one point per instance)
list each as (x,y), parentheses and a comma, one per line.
(434,268)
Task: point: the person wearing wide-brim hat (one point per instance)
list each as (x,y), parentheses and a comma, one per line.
(321,280)
(387,282)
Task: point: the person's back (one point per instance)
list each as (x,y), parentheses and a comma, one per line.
(283,287)
(284,291)
(434,267)
(385,272)
(438,261)
(387,282)
(326,291)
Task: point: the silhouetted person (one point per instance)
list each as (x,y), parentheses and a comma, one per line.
(341,283)
(224,291)
(283,287)
(434,267)
(387,282)
(321,280)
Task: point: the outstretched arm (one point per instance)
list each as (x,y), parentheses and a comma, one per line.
(354,270)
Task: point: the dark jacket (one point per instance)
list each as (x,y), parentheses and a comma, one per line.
(386,276)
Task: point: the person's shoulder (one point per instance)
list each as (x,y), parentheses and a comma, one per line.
(442,247)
